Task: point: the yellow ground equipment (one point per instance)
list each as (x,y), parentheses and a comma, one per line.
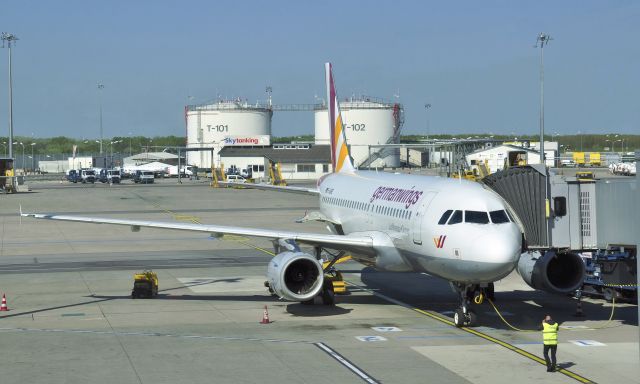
(595,159)
(275,174)
(578,158)
(335,277)
(145,285)
(469,175)
(217,175)
(585,176)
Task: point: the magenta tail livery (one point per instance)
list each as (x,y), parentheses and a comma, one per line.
(340,159)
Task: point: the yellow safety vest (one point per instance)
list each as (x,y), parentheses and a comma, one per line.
(550,333)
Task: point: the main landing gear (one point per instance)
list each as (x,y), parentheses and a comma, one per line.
(464,316)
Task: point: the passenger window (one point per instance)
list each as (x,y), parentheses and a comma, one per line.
(455,218)
(476,217)
(445,217)
(499,217)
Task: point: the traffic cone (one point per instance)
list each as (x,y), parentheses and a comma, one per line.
(265,316)
(3,306)
(579,312)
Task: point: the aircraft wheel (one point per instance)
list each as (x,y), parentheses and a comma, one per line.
(472,319)
(328,297)
(459,318)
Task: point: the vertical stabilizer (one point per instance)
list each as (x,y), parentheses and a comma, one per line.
(340,158)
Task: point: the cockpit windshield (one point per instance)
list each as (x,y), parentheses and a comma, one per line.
(499,217)
(476,217)
(450,217)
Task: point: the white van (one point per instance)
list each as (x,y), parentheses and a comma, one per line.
(236,179)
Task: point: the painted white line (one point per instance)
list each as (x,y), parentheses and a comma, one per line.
(371,338)
(363,375)
(587,343)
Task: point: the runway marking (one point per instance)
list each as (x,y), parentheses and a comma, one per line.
(350,366)
(387,329)
(474,332)
(587,343)
(371,338)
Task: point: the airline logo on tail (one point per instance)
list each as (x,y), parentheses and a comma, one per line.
(339,152)
(439,241)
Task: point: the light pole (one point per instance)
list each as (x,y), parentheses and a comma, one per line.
(542,40)
(33,159)
(113,142)
(580,134)
(15,142)
(100,88)
(426,108)
(130,144)
(10,38)
(620,140)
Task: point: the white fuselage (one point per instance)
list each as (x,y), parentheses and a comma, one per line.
(407,208)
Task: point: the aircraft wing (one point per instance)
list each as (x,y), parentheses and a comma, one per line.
(359,243)
(269,187)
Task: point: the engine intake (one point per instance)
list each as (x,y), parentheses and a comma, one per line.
(552,272)
(295,276)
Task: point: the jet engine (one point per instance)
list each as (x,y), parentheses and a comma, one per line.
(295,276)
(552,272)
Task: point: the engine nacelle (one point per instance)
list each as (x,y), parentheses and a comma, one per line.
(295,276)
(552,272)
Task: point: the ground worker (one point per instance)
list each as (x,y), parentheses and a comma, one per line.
(550,340)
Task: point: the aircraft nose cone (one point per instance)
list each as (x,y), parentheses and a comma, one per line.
(500,251)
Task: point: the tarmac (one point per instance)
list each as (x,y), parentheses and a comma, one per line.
(71,318)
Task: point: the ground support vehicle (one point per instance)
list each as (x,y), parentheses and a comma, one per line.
(73,176)
(7,176)
(87,176)
(145,285)
(143,177)
(611,274)
(111,176)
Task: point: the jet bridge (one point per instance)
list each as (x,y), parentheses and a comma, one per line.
(597,219)
(581,215)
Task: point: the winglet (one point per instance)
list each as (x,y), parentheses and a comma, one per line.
(340,158)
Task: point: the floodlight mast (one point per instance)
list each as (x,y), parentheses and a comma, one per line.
(100,88)
(542,40)
(9,38)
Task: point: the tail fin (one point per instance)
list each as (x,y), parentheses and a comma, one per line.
(339,152)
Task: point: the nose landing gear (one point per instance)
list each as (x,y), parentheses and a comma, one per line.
(464,316)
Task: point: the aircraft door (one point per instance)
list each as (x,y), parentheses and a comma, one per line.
(418,218)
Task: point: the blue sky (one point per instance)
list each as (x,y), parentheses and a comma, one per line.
(474,62)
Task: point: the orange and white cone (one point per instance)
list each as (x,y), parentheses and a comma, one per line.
(265,316)
(3,306)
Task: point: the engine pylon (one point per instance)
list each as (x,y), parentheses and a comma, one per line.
(265,316)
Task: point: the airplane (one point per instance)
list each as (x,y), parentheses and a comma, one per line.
(457,230)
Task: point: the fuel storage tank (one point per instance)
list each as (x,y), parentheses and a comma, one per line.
(224,123)
(367,121)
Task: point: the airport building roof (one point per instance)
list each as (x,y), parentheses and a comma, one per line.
(283,153)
